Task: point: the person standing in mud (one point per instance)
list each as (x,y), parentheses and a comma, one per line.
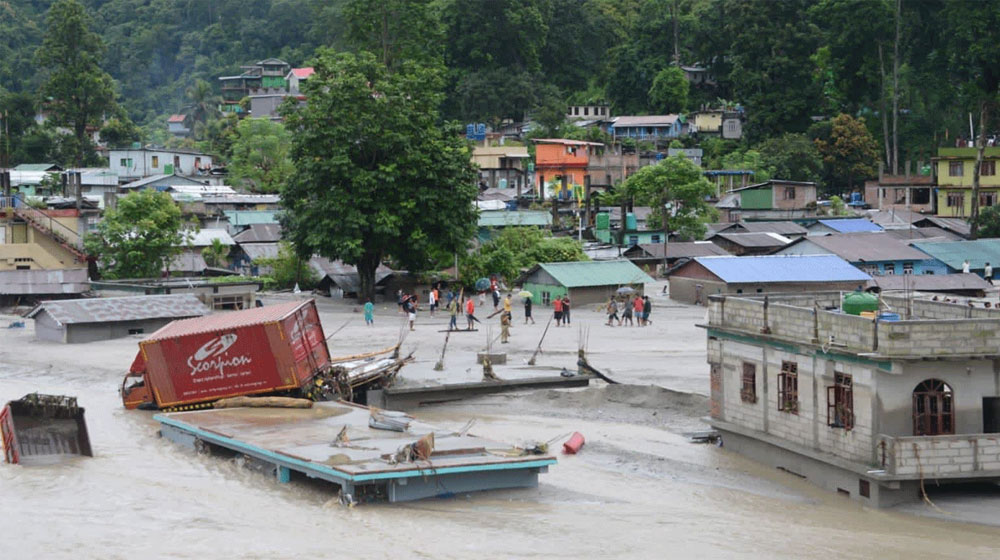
(369,312)
(613,312)
(565,306)
(647,306)
(504,326)
(470,313)
(637,308)
(410,308)
(527,311)
(453,307)
(627,309)
(557,310)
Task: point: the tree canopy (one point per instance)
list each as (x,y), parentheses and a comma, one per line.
(376,176)
(138,238)
(676,189)
(260,155)
(515,249)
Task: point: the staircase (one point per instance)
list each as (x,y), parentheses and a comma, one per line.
(64,236)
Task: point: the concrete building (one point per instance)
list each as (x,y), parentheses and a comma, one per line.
(90,319)
(34,239)
(701,277)
(502,167)
(135,163)
(216,295)
(586,282)
(876,410)
(588,112)
(954,170)
(878,254)
(20,286)
(776,199)
(647,127)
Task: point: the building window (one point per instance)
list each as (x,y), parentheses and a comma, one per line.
(748,391)
(889,269)
(633,240)
(933,409)
(654,239)
(546,298)
(788,387)
(586,111)
(576,110)
(840,402)
(956,200)
(864,488)
(987,198)
(988,168)
(789,193)
(907,268)
(954,169)
(126,162)
(156,161)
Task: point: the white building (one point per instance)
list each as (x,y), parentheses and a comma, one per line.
(136,163)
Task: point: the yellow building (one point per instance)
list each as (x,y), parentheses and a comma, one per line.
(32,239)
(954,168)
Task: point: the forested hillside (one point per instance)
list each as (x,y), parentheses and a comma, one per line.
(788,62)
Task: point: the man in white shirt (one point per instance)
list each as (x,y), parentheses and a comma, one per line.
(988,273)
(965,267)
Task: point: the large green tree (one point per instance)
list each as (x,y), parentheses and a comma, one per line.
(376,174)
(791,156)
(669,92)
(676,189)
(515,249)
(261,155)
(139,238)
(78,92)
(849,152)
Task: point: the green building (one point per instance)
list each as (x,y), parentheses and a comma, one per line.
(586,282)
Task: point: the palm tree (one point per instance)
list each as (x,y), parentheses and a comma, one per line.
(203,102)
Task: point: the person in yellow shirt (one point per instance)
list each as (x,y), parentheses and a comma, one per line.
(506,304)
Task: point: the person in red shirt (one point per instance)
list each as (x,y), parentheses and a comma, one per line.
(637,307)
(470,312)
(557,308)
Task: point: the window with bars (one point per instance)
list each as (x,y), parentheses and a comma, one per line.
(788,387)
(748,390)
(840,402)
(955,169)
(907,268)
(988,168)
(956,200)
(987,199)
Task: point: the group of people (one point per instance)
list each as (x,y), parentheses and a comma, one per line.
(638,307)
(560,308)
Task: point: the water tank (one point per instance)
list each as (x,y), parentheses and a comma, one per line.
(603,220)
(630,223)
(168,169)
(856,302)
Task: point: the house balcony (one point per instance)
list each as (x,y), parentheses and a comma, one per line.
(940,457)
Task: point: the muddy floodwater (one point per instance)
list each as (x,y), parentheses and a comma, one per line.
(638,489)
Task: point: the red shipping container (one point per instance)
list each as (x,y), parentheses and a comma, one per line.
(261,350)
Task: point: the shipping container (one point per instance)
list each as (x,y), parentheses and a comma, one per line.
(271,349)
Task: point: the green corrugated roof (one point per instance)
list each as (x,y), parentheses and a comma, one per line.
(502,218)
(596,273)
(35,166)
(954,253)
(250,217)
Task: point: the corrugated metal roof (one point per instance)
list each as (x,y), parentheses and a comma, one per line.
(644,120)
(188,261)
(957,225)
(106,310)
(919,234)
(37,167)
(202,189)
(517,218)
(241,199)
(250,217)
(595,273)
(781,228)
(954,253)
(204,237)
(863,247)
(260,250)
(765,239)
(228,320)
(259,233)
(782,268)
(851,225)
(677,250)
(345,276)
(565,141)
(932,282)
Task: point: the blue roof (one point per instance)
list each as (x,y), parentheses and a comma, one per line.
(851,225)
(782,268)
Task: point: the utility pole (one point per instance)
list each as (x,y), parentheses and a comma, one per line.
(895,92)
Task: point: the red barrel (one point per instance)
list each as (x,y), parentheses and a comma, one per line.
(573,444)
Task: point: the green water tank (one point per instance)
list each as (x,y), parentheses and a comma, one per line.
(168,169)
(630,222)
(856,302)
(603,220)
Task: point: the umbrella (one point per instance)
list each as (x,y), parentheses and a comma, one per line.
(482,284)
(624,291)
(524,293)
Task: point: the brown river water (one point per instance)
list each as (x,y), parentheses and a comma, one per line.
(636,490)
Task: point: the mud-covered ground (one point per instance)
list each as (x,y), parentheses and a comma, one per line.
(638,489)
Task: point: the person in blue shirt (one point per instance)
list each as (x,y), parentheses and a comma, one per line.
(369,313)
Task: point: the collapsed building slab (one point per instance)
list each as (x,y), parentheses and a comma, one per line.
(372,455)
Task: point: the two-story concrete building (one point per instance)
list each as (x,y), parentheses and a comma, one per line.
(561,165)
(877,410)
(776,199)
(131,164)
(647,127)
(954,170)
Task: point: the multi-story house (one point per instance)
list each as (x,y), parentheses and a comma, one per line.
(135,163)
(880,410)
(776,199)
(266,76)
(954,169)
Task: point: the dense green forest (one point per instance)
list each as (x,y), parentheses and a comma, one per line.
(914,70)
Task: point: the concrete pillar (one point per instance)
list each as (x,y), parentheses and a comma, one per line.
(586,201)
